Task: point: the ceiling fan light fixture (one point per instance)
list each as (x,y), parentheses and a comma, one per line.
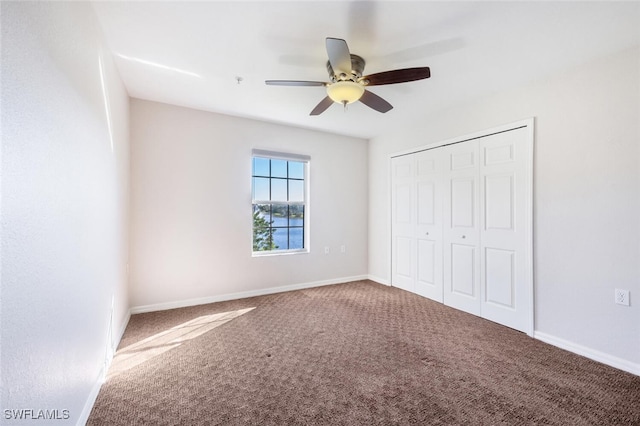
(345,92)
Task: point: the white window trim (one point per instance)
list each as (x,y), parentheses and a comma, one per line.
(280,155)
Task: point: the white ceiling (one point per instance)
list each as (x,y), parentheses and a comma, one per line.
(190,53)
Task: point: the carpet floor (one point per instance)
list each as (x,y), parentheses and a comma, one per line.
(350,354)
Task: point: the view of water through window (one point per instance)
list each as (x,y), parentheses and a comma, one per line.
(278,204)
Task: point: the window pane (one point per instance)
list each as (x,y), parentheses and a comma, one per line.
(262,232)
(296,215)
(296,170)
(296,190)
(280,215)
(296,238)
(260,166)
(264,212)
(261,189)
(279,168)
(280,238)
(278,190)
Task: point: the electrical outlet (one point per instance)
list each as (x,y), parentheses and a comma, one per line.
(326,250)
(343,248)
(622,297)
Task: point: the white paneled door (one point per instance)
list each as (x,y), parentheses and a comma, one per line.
(403,244)
(428,230)
(461,224)
(505,229)
(461,227)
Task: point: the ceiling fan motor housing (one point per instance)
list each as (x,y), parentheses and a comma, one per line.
(357,68)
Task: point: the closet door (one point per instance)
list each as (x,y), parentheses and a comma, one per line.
(505,287)
(429,279)
(462,224)
(461,227)
(403,217)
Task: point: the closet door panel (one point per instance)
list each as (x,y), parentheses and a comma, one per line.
(404,264)
(403,204)
(505,289)
(426,203)
(461,231)
(429,281)
(463,270)
(499,200)
(403,218)
(500,284)
(462,202)
(427,262)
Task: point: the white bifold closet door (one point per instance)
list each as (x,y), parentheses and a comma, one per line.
(403,205)
(417,224)
(428,230)
(506,277)
(461,226)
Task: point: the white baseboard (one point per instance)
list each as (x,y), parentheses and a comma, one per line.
(379,280)
(123,327)
(88,405)
(610,360)
(241,295)
(95,390)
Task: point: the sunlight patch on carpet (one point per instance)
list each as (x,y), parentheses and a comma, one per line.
(144,350)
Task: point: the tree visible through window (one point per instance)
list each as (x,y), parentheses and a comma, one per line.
(278,204)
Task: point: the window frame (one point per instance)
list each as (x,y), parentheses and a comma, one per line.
(305,160)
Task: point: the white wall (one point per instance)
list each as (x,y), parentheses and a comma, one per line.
(586,196)
(65,178)
(191,206)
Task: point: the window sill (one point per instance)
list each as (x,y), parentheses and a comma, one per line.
(278,253)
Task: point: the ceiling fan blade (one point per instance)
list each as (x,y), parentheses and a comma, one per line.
(322,106)
(339,55)
(294,83)
(376,102)
(397,76)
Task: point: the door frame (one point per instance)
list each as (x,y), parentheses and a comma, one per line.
(527,123)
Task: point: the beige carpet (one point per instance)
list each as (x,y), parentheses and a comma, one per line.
(350,354)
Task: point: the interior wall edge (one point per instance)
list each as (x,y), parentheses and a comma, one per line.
(379,280)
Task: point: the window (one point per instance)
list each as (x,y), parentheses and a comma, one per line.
(279,202)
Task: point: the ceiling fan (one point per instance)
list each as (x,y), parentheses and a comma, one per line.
(347,83)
